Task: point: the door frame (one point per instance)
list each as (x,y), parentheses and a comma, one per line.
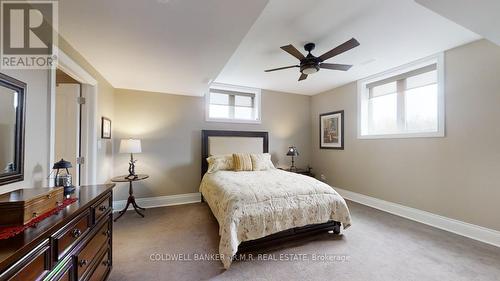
(89,125)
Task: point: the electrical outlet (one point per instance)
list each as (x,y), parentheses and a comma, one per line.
(323,177)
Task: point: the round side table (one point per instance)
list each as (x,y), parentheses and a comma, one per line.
(131,198)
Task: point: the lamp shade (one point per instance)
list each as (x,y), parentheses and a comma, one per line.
(292,151)
(62,165)
(130,146)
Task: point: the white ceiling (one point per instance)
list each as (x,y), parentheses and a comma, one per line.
(171,46)
(391,33)
(178,46)
(481,17)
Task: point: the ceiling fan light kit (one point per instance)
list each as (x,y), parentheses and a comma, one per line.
(309,69)
(311,64)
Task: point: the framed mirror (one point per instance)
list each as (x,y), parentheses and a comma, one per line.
(12,122)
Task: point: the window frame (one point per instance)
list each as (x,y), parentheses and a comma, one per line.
(236,89)
(363,97)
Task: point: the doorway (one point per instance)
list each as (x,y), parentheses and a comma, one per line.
(88,113)
(68,123)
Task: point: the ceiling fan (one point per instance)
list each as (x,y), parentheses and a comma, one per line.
(310,64)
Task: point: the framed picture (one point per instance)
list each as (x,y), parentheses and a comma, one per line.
(105,128)
(331,130)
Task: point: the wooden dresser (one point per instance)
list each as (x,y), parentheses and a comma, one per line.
(74,244)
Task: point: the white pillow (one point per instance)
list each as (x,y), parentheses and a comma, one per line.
(220,163)
(262,162)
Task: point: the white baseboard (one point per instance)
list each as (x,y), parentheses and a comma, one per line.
(472,231)
(161,201)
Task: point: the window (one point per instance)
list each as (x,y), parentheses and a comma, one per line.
(227,103)
(404,102)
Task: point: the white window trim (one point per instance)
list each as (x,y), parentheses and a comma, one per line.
(235,88)
(439,60)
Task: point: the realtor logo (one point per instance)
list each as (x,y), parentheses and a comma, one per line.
(28,34)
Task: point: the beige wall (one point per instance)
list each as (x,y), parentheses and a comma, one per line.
(36,133)
(170,128)
(105,107)
(457,176)
(38,125)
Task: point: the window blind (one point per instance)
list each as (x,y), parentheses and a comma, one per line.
(232,98)
(420,77)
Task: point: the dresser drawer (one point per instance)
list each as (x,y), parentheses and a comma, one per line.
(102,268)
(62,272)
(66,276)
(71,233)
(88,255)
(34,266)
(101,208)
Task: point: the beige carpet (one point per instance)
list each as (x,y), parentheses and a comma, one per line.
(378,246)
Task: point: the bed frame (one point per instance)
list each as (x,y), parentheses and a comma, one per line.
(273,239)
(207,134)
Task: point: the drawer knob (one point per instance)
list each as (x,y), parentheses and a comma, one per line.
(102,208)
(106,263)
(107,233)
(76,233)
(83,263)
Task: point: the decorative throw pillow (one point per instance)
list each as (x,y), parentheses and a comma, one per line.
(261,162)
(220,163)
(242,162)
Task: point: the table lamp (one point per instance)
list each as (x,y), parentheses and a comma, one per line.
(61,178)
(292,151)
(131,146)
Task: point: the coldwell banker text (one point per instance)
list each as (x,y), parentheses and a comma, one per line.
(28,34)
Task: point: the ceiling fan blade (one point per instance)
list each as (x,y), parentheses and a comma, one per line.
(293,51)
(346,46)
(280,68)
(303,77)
(335,66)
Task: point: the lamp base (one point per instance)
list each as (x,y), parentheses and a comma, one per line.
(69,189)
(293,168)
(131,168)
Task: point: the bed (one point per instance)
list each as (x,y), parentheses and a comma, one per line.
(259,208)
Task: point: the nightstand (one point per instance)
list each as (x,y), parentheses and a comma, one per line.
(131,198)
(306,172)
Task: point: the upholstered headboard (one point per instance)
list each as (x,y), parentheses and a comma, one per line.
(227,142)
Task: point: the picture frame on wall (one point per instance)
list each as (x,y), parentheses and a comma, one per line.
(331,130)
(105,128)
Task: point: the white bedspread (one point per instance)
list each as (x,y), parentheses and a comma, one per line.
(251,205)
